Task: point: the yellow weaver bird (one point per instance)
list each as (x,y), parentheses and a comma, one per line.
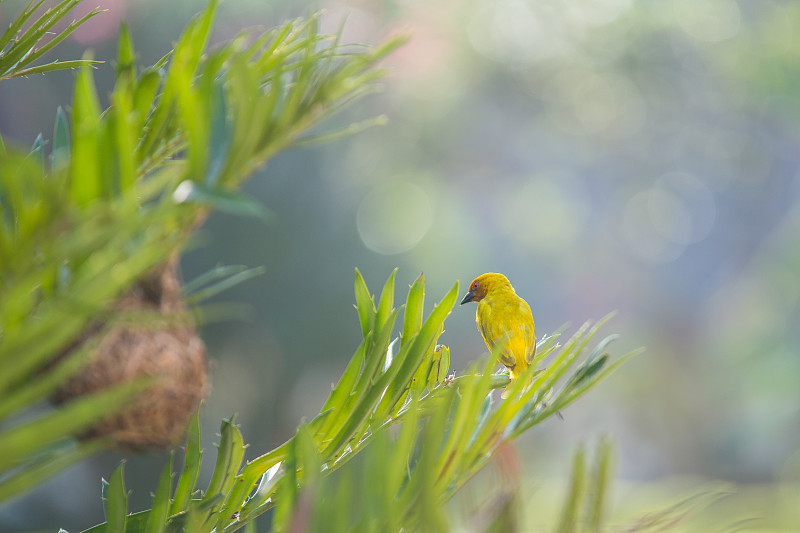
(502,316)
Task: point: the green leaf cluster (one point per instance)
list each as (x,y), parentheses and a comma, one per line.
(119,189)
(422,439)
(59,268)
(21,47)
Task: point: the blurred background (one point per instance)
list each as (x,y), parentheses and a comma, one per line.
(605,155)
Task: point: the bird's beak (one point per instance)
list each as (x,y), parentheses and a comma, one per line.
(468,298)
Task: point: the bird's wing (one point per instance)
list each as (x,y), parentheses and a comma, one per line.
(484,320)
(530,340)
(494,330)
(528,331)
(517,324)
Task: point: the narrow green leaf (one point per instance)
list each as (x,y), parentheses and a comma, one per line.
(248,115)
(85,177)
(60,140)
(236,497)
(162,62)
(600,481)
(400,375)
(472,395)
(397,468)
(228,201)
(251,527)
(221,135)
(594,330)
(191,467)
(600,349)
(349,422)
(431,378)
(559,364)
(346,131)
(585,372)
(419,381)
(223,285)
(22,43)
(40,28)
(365,305)
(420,498)
(482,418)
(210,276)
(16,25)
(206,506)
(309,460)
(263,494)
(524,414)
(197,517)
(124,138)
(46,383)
(37,150)
(57,65)
(157,519)
(569,396)
(193,120)
(36,472)
(412,315)
(376,356)
(286,491)
(38,144)
(386,301)
(126,57)
(135,523)
(442,368)
(229,458)
(115,500)
(144,95)
(197,35)
(343,388)
(161,122)
(18,443)
(570,521)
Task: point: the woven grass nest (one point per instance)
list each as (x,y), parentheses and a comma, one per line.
(173,353)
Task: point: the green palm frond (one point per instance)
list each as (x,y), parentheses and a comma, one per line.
(120,192)
(80,225)
(391,423)
(59,268)
(21,47)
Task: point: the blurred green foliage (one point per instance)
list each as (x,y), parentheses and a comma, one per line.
(617,154)
(448,431)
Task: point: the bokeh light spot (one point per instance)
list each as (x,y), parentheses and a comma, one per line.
(711,20)
(590,103)
(600,12)
(513,32)
(393,218)
(682,207)
(547,213)
(669,215)
(101,27)
(641,234)
(678,210)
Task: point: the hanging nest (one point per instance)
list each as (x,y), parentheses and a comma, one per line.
(171,352)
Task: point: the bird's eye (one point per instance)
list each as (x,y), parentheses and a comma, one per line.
(475,285)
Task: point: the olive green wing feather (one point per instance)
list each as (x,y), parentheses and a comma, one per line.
(530,337)
(493,332)
(529,331)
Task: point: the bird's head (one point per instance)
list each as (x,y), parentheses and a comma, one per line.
(483,285)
